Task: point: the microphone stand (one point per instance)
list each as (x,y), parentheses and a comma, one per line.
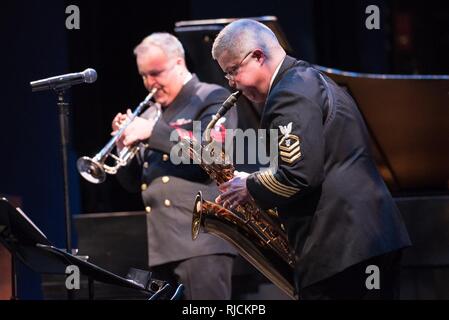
(63,111)
(59,84)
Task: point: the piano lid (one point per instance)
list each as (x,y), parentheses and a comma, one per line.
(408,120)
(214,26)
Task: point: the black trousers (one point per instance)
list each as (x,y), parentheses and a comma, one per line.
(204,278)
(351,283)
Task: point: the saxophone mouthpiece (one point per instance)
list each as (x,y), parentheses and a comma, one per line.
(229,103)
(233,97)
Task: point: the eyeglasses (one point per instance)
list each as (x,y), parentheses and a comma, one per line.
(232,73)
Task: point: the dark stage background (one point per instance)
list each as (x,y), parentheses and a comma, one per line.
(413,39)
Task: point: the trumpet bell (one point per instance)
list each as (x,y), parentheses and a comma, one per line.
(91,170)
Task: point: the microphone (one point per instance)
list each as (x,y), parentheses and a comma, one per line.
(64,81)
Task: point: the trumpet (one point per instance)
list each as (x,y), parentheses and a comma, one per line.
(95,169)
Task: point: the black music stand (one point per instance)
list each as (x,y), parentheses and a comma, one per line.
(27,243)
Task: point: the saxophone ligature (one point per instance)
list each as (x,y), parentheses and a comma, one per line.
(257,234)
(95,169)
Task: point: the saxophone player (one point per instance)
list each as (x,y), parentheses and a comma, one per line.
(340,218)
(204,267)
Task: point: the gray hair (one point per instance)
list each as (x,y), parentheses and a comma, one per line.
(242,36)
(166,41)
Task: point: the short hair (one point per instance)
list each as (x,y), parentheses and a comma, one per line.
(168,43)
(242,36)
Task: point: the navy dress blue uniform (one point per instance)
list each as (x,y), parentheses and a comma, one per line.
(337,210)
(204,266)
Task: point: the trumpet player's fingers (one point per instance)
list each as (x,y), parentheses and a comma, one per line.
(118,121)
(113,133)
(115,122)
(123,119)
(117,117)
(129,140)
(119,143)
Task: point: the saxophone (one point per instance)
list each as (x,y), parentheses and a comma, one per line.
(257,234)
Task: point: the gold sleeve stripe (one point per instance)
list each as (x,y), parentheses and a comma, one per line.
(270,176)
(267,184)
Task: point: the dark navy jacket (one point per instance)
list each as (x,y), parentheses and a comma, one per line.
(327,189)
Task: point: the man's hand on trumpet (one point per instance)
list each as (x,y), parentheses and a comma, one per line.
(139,129)
(117,123)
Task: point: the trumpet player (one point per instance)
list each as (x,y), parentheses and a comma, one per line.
(204,266)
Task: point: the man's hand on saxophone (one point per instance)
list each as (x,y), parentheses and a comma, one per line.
(234,191)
